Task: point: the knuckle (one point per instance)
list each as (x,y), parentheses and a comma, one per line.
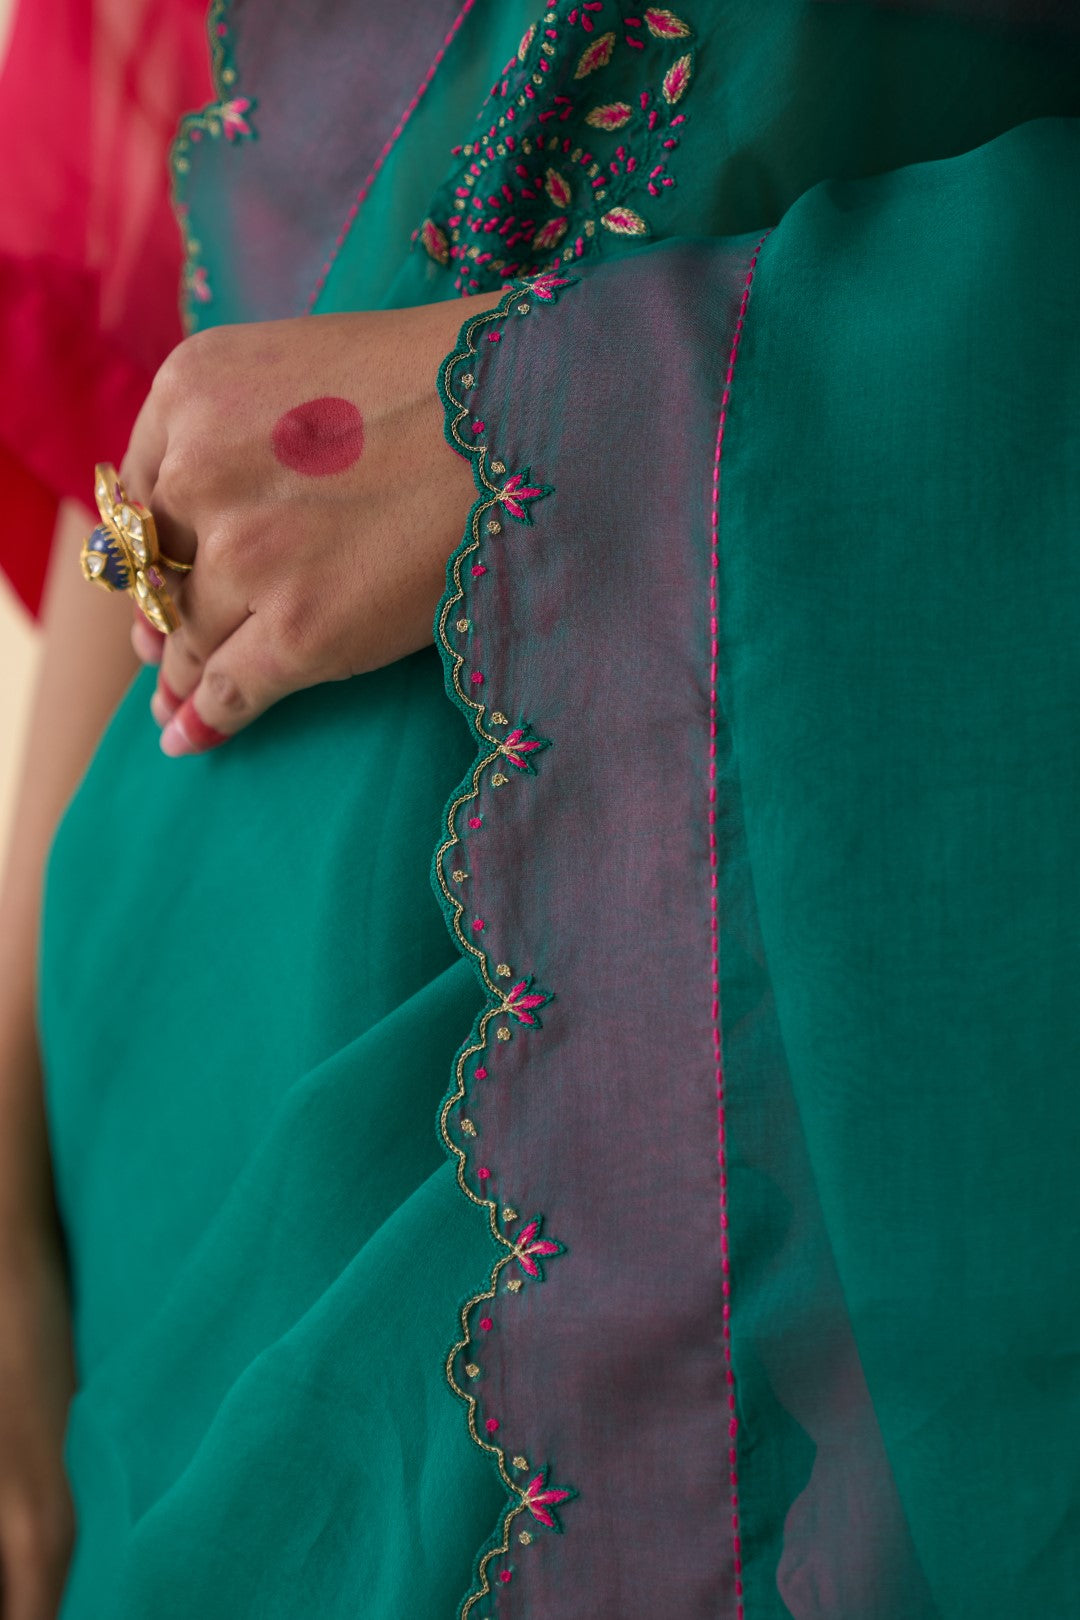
(235,548)
(295,621)
(182,367)
(182,654)
(226,692)
(179,472)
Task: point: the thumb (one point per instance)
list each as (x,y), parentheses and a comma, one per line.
(240,680)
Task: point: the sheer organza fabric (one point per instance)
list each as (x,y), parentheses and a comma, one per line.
(783,577)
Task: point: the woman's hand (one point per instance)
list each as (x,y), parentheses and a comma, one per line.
(36,1380)
(301,465)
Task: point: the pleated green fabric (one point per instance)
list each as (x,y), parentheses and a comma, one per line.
(250,1005)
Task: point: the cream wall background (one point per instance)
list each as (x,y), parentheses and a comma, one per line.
(18,636)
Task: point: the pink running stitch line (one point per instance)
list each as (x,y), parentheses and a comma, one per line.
(714,931)
(358,202)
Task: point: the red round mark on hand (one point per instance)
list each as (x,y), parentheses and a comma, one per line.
(319,437)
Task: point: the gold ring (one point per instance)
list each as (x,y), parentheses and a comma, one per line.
(122,553)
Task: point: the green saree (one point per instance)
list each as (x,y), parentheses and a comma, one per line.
(747,1234)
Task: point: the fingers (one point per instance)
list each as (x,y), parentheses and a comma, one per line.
(211,610)
(240,681)
(147,642)
(145,451)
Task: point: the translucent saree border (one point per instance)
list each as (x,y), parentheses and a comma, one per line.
(506,752)
(227,116)
(714,932)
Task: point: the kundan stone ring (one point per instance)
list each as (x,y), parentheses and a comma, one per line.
(122,553)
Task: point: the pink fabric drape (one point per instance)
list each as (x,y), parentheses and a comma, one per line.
(90,93)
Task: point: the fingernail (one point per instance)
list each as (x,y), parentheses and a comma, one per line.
(187,733)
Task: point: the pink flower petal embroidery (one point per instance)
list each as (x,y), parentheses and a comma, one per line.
(551,234)
(558,189)
(612,115)
(676,79)
(435,242)
(596,55)
(664,24)
(624,222)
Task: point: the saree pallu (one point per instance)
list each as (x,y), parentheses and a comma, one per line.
(746,1239)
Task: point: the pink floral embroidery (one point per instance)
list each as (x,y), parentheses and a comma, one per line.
(665,24)
(540,1498)
(198,284)
(676,79)
(541,180)
(529,1246)
(596,55)
(523,1003)
(517,495)
(546,286)
(518,747)
(524,1253)
(435,241)
(233,120)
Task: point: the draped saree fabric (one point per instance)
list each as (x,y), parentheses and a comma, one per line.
(746,1239)
(90,91)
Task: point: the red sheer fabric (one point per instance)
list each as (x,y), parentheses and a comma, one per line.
(90,93)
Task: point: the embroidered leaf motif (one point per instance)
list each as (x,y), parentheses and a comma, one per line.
(529,1246)
(546,285)
(551,234)
(540,1500)
(517,494)
(596,55)
(435,241)
(200,286)
(612,115)
(233,121)
(677,78)
(526,40)
(624,222)
(523,1003)
(558,189)
(519,745)
(664,24)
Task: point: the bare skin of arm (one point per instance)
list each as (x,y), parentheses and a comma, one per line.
(87,652)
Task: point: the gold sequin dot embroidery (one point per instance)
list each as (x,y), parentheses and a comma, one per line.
(514,1285)
(462,625)
(471,1370)
(523,309)
(467,380)
(459,876)
(468,1127)
(499,719)
(525,1538)
(503,971)
(521,1462)
(499,780)
(509,1214)
(498,466)
(502,1034)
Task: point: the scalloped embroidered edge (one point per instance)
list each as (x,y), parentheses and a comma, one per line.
(509,495)
(226,115)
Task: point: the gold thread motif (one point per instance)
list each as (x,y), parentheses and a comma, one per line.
(492,751)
